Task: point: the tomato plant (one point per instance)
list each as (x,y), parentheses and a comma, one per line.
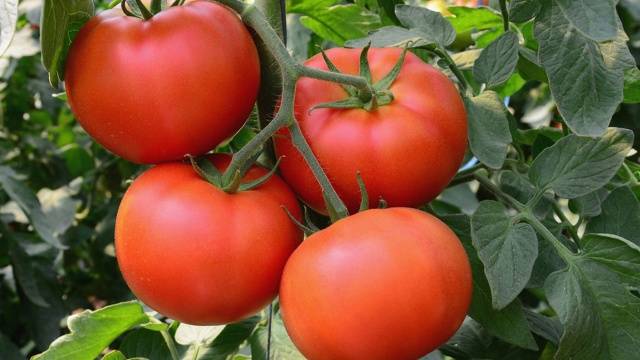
(207,237)
(425,120)
(179,83)
(540,96)
(381,284)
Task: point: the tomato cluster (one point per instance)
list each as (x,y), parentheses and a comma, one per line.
(381,284)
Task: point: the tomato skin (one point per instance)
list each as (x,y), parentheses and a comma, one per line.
(381,284)
(407,151)
(201,256)
(153,91)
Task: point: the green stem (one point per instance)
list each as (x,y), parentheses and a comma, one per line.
(442,54)
(505,14)
(170,344)
(493,188)
(527,215)
(303,147)
(562,250)
(290,71)
(346,79)
(465,175)
(572,229)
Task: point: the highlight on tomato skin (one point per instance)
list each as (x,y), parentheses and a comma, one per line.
(199,255)
(381,284)
(426,122)
(154,90)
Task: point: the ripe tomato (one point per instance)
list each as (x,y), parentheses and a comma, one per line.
(199,255)
(381,284)
(407,151)
(153,91)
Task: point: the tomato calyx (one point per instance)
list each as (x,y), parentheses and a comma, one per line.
(378,94)
(202,166)
(136,8)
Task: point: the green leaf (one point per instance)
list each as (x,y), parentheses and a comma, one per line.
(508,324)
(489,135)
(546,327)
(620,216)
(334,21)
(8,19)
(115,355)
(24,272)
(576,166)
(507,251)
(498,61)
(146,344)
(523,10)
(632,86)
(390,36)
(93,331)
(431,25)
(595,19)
(468,19)
(61,21)
(589,205)
(519,186)
(191,334)
(31,206)
(9,350)
(587,91)
(599,312)
(281,345)
(226,343)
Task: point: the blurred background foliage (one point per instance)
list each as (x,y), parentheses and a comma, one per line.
(59,191)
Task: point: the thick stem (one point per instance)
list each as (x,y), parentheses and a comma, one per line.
(303,147)
(489,185)
(505,14)
(170,344)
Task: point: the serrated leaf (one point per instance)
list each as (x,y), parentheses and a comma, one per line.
(334,21)
(8,19)
(589,205)
(507,251)
(632,86)
(596,19)
(523,10)
(586,90)
(508,324)
(61,21)
(489,135)
(93,331)
(598,311)
(549,328)
(620,216)
(576,166)
(431,25)
(31,206)
(498,61)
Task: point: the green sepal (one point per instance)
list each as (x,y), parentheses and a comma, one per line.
(203,166)
(388,80)
(156,6)
(348,88)
(364,195)
(308,221)
(306,229)
(348,103)
(365,70)
(261,180)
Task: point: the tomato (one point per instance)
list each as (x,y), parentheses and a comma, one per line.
(381,284)
(153,91)
(407,151)
(199,255)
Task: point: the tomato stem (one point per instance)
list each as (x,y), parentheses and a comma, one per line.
(505,14)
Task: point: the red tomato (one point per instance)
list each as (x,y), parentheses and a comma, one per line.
(199,255)
(381,284)
(407,151)
(153,91)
